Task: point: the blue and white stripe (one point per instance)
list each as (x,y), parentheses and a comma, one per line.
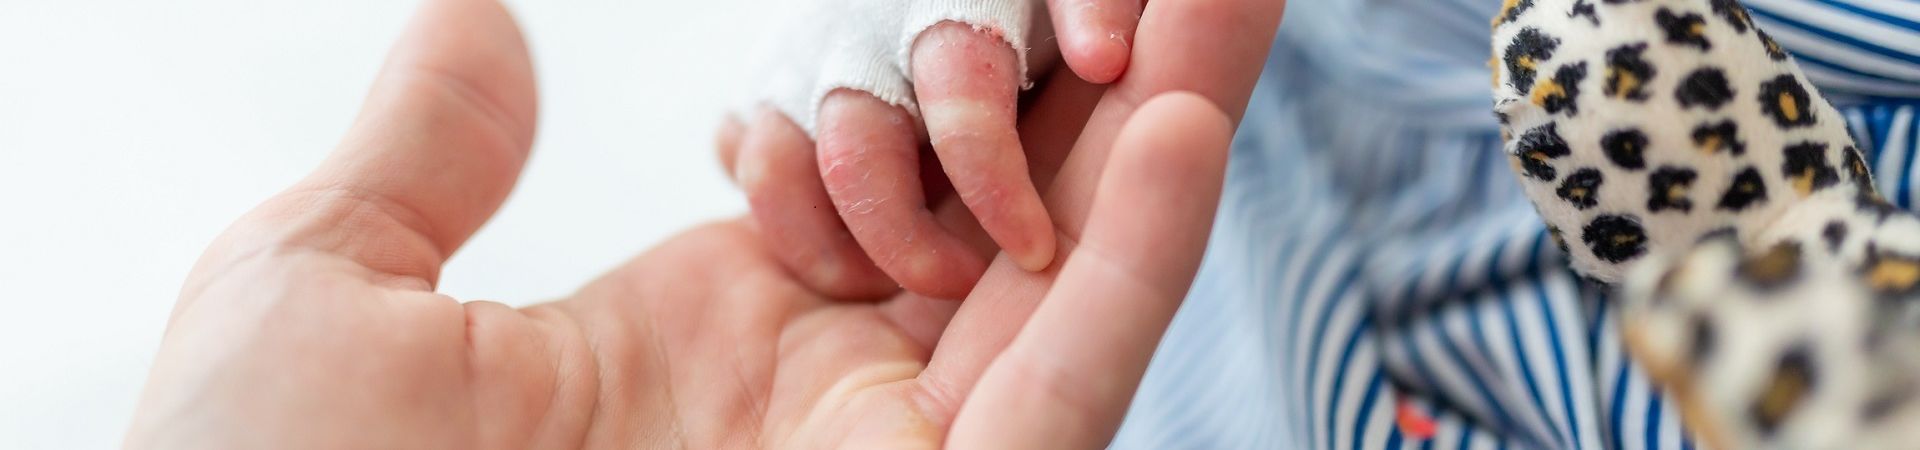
(1372,248)
(1860,47)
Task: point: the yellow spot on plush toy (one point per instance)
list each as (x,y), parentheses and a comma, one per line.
(1789,108)
(1710,144)
(1803,182)
(1624,83)
(1893,275)
(1545,90)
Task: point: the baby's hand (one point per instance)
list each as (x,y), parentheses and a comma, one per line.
(831,155)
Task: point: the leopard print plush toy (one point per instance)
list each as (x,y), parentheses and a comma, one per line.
(1677,152)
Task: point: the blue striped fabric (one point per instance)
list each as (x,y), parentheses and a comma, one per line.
(1859,47)
(1373,250)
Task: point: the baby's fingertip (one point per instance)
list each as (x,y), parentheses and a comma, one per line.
(1099,62)
(726,142)
(1019,223)
(1096,36)
(1039,255)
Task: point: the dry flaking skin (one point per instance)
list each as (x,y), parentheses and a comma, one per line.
(1681,156)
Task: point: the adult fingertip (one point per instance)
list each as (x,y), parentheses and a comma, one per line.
(438,145)
(1176,135)
(493,66)
(1186,109)
(1173,150)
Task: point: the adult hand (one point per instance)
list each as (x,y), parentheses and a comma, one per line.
(312,323)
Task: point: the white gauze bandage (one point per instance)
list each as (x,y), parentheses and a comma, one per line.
(866,45)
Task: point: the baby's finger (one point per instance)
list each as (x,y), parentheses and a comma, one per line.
(726,143)
(1096,36)
(777,172)
(967,83)
(869,159)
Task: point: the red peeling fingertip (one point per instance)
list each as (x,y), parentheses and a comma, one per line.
(1100,57)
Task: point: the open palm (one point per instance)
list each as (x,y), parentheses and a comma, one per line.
(312,321)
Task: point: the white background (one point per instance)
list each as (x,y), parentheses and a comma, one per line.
(133,131)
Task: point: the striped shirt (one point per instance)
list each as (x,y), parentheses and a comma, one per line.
(1373,255)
